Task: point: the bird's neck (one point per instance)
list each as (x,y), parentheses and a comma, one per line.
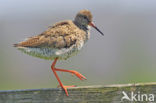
(82,26)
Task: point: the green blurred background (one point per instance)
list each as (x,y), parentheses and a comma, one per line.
(126,54)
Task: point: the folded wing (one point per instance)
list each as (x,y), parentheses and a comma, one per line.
(57,36)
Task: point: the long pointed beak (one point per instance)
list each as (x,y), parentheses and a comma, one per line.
(92,24)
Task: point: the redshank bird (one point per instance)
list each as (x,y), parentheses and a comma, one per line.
(61,41)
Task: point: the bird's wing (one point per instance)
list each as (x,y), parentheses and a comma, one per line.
(57,36)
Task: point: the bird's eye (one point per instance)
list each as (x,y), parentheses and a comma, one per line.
(85,17)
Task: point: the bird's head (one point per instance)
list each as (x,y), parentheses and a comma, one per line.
(84,18)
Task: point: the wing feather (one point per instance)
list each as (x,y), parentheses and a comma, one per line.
(57,36)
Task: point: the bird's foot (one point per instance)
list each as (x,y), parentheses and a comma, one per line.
(65,88)
(78,75)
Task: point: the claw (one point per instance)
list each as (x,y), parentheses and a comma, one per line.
(80,76)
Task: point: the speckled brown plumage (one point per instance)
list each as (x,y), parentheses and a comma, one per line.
(61,35)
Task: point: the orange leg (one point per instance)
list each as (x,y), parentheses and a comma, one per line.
(70,71)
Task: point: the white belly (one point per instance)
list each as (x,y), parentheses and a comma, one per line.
(50,53)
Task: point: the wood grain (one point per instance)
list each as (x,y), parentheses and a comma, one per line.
(85,94)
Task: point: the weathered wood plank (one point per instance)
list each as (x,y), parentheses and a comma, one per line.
(87,94)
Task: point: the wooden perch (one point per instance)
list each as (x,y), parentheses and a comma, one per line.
(87,94)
